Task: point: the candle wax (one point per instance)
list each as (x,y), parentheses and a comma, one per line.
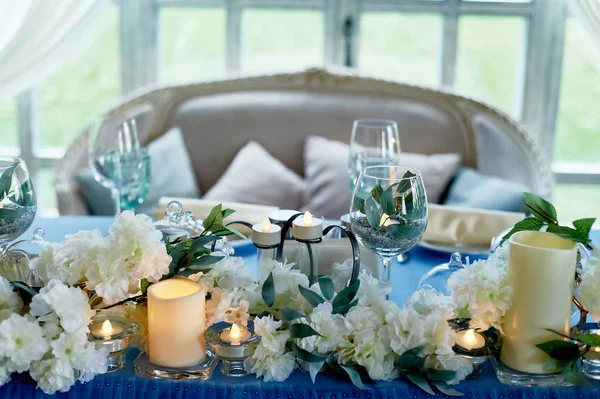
(107,329)
(470,339)
(235,335)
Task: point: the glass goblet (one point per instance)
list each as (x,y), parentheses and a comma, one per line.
(388,213)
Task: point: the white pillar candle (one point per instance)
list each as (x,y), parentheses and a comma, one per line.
(176,323)
(541,270)
(307,228)
(266,234)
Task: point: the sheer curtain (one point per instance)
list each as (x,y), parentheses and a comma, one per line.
(36,35)
(588,12)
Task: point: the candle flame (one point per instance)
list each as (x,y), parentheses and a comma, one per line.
(307,218)
(266,225)
(385,220)
(470,336)
(235,331)
(107,328)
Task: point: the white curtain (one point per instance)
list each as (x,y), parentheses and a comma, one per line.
(37,35)
(588,13)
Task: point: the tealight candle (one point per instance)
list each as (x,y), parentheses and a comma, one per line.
(470,339)
(266,234)
(107,330)
(112,333)
(235,335)
(307,228)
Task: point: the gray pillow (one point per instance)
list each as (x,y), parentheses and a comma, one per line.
(472,189)
(172,175)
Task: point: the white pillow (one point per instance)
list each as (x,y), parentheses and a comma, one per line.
(256,177)
(328,185)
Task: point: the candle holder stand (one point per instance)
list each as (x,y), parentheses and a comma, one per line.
(590,362)
(233,356)
(116,344)
(144,368)
(313,272)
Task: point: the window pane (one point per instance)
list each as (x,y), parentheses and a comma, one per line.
(8,123)
(281,39)
(192,43)
(575,201)
(392,45)
(578,127)
(46,194)
(84,86)
(489,59)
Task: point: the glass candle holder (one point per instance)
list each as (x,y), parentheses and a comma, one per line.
(232,352)
(474,346)
(112,333)
(590,362)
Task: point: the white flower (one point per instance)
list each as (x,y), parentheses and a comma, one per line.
(90,362)
(238,315)
(231,272)
(370,349)
(10,301)
(342,272)
(220,302)
(271,340)
(460,364)
(405,329)
(331,327)
(4,373)
(53,375)
(482,292)
(361,318)
(109,278)
(69,346)
(285,277)
(272,368)
(439,337)
(426,301)
(589,290)
(371,291)
(138,313)
(69,304)
(21,341)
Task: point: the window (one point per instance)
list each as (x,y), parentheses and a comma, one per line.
(8,123)
(576,201)
(85,86)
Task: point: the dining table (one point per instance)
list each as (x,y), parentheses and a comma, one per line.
(405,278)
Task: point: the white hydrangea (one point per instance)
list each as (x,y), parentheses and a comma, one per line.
(90,362)
(285,277)
(342,272)
(405,329)
(270,338)
(482,292)
(10,301)
(439,337)
(371,291)
(271,360)
(231,272)
(21,342)
(426,301)
(109,278)
(53,375)
(330,326)
(4,372)
(589,290)
(220,302)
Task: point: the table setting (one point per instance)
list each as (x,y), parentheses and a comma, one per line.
(398,298)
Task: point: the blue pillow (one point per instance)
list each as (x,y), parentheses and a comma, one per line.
(472,189)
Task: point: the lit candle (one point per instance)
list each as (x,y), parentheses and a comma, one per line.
(176,323)
(470,339)
(385,220)
(235,335)
(307,227)
(266,234)
(107,330)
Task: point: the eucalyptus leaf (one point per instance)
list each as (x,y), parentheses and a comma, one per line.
(447,389)
(301,330)
(377,192)
(405,185)
(6,180)
(306,355)
(540,207)
(11,214)
(214,220)
(268,291)
(373,213)
(326,286)
(387,201)
(311,297)
(236,232)
(191,270)
(359,204)
(346,295)
(202,241)
(344,308)
(419,380)
(440,375)
(288,314)
(206,260)
(314,368)
(410,360)
(354,376)
(23,196)
(406,231)
(560,350)
(24,287)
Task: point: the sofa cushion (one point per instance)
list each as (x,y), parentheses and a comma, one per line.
(328,186)
(256,177)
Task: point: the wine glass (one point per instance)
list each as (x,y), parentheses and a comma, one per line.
(118,162)
(373,142)
(388,213)
(17,199)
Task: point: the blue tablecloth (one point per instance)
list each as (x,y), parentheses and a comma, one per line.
(124,384)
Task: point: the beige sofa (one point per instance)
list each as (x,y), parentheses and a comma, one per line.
(279,111)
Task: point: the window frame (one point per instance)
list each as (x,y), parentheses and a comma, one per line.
(537,102)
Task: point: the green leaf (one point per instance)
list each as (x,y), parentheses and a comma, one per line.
(24,287)
(406,231)
(346,295)
(167,242)
(236,232)
(6,180)
(10,214)
(226,213)
(420,381)
(560,350)
(405,185)
(202,241)
(306,355)
(344,308)
(373,213)
(23,196)
(192,270)
(268,291)
(573,375)
(354,376)
(314,368)
(541,208)
(288,314)
(527,224)
(359,204)
(144,284)
(205,260)
(214,220)
(589,339)
(326,286)
(387,201)
(410,360)
(583,227)
(447,389)
(562,231)
(377,192)
(301,330)
(311,297)
(440,375)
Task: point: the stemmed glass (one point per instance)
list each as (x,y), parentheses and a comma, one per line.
(373,142)
(388,213)
(118,162)
(17,199)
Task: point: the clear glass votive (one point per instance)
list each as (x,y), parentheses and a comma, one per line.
(475,346)
(590,362)
(233,355)
(114,334)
